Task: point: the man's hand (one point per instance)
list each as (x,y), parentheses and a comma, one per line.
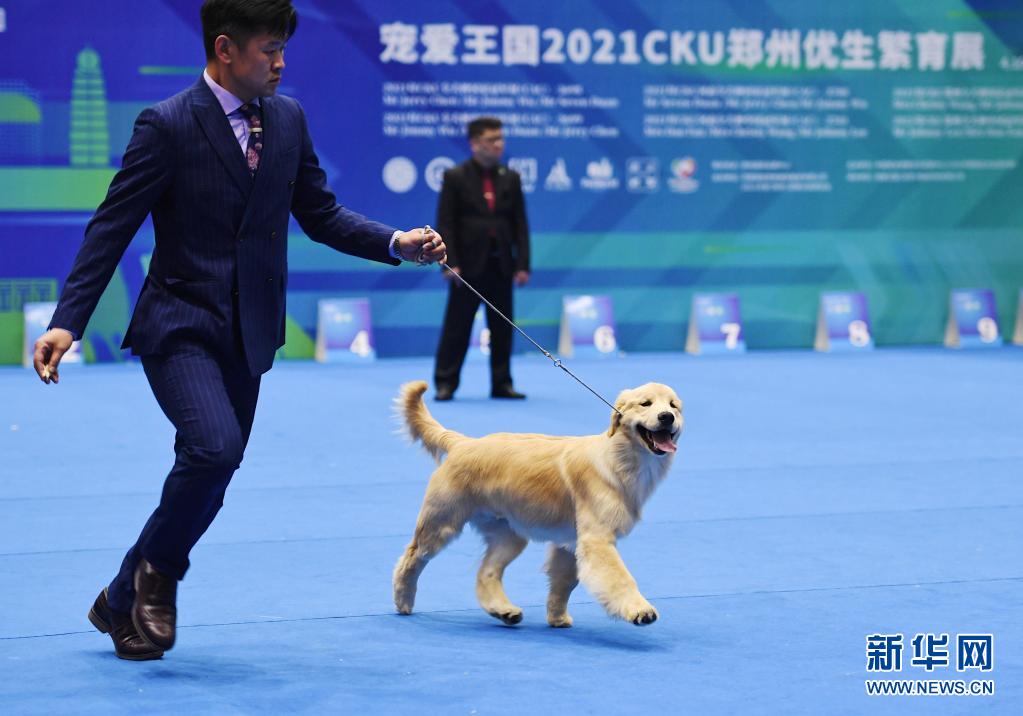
(521,278)
(423,246)
(49,349)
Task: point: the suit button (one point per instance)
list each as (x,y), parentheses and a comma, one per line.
(273,234)
(269,280)
(234,292)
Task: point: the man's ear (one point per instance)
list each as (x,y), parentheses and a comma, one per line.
(222,48)
(616,421)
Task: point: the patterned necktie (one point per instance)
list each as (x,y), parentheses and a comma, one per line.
(255,146)
(488,188)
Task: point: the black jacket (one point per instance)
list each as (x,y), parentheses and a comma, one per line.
(466,223)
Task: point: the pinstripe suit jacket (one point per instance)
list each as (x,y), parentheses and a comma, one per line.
(220,262)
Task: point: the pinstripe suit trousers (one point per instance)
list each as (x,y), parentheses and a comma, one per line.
(210,398)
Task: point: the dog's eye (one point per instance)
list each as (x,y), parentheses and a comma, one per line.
(673,404)
(646,404)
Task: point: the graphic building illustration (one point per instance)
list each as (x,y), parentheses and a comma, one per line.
(90,138)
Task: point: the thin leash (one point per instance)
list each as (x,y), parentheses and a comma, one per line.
(557,361)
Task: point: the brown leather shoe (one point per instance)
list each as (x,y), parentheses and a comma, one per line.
(154,612)
(127,642)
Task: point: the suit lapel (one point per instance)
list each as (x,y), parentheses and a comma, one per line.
(217,129)
(501,178)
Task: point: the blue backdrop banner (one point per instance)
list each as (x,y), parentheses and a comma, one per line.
(773,149)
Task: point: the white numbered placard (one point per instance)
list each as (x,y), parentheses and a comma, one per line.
(479,343)
(972,319)
(715,324)
(1017,335)
(344,331)
(587,327)
(843,323)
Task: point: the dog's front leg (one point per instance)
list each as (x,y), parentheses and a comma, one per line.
(603,572)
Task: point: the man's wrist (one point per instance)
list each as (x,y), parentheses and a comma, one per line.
(74,336)
(394,248)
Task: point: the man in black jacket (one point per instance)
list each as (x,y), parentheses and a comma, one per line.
(482,217)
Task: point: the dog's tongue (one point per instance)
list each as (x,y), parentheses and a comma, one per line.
(662,441)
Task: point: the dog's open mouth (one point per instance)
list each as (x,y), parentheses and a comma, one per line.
(658,442)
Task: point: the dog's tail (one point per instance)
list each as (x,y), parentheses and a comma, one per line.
(419,424)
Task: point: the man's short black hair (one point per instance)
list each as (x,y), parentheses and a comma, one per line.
(241,20)
(481,124)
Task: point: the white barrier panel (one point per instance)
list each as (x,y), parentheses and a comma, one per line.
(1017,335)
(972,319)
(587,327)
(479,343)
(344,331)
(843,323)
(715,324)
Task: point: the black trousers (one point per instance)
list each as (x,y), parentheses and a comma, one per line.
(210,398)
(457,329)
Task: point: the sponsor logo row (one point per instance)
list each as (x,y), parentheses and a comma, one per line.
(639,175)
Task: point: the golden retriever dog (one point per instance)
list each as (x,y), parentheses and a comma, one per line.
(581,494)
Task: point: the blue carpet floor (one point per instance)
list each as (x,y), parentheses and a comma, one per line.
(815,500)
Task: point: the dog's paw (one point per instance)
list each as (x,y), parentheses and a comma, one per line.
(563,621)
(511,617)
(404,600)
(643,616)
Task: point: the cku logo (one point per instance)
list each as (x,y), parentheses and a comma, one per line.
(682,178)
(600,176)
(558,178)
(527,171)
(434,172)
(642,174)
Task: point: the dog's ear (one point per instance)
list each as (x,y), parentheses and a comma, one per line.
(616,420)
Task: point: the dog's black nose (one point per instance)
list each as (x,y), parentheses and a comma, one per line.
(666,418)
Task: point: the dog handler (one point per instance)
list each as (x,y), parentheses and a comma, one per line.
(220,166)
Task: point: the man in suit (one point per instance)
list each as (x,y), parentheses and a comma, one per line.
(482,215)
(219,166)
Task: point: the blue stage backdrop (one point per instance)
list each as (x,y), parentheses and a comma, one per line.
(772,149)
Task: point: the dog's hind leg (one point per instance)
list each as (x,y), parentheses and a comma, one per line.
(561,570)
(503,545)
(440,521)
